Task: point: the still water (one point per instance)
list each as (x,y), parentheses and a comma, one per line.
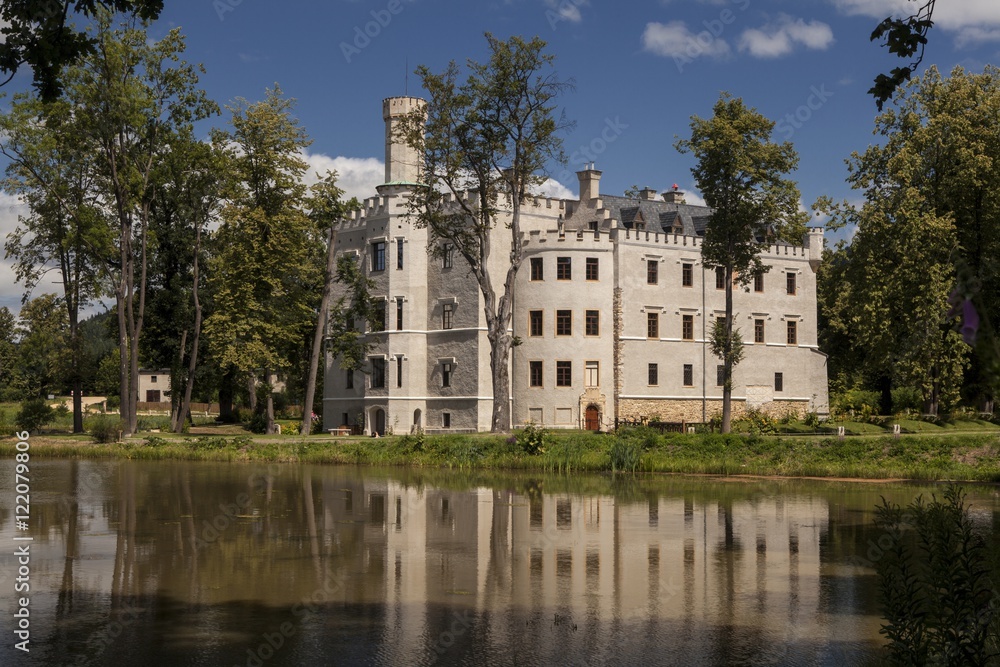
(174,563)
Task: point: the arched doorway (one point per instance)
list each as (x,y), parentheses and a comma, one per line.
(416,420)
(378,421)
(592,418)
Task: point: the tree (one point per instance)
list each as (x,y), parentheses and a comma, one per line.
(11,384)
(51,169)
(904,37)
(133,97)
(326,209)
(42,345)
(740,172)
(490,137)
(35,33)
(264,268)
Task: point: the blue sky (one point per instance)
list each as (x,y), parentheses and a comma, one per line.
(641,70)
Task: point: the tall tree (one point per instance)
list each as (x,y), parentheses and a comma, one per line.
(133,96)
(42,338)
(326,208)
(265,246)
(490,137)
(40,34)
(741,174)
(52,170)
(11,383)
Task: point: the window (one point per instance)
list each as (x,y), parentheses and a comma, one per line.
(687,275)
(564,268)
(758,282)
(790,282)
(593,268)
(564,373)
(447,312)
(779,382)
(378,323)
(349,381)
(652,271)
(535,323)
(399,253)
(536,268)
(378,373)
(720,375)
(564,322)
(758,331)
(448,256)
(652,325)
(535,373)
(152,378)
(653,374)
(720,277)
(446,370)
(593,322)
(378,256)
(399,314)
(793,333)
(592,374)
(688,375)
(446,419)
(399,370)
(687,327)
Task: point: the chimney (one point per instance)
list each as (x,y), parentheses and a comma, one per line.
(402,163)
(648,194)
(673,195)
(589,180)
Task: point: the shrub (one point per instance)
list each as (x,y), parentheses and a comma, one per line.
(35,413)
(856,402)
(114,402)
(258,423)
(531,439)
(906,400)
(811,420)
(105,429)
(756,422)
(626,454)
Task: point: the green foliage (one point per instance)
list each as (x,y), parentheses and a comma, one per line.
(756,422)
(105,428)
(938,602)
(625,454)
(532,439)
(113,402)
(34,414)
(855,402)
(906,400)
(812,420)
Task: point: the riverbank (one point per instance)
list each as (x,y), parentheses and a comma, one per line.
(974,457)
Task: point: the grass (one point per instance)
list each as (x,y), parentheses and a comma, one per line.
(967,457)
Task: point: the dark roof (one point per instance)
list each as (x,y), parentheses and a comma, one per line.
(657,213)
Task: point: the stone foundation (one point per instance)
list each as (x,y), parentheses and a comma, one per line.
(690,410)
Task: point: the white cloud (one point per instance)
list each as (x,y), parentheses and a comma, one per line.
(566,10)
(357,176)
(675,40)
(10,290)
(553,188)
(780,37)
(974,21)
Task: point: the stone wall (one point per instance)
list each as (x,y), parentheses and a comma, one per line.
(689,410)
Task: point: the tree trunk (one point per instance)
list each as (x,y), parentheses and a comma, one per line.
(317,345)
(193,359)
(727,357)
(270,401)
(175,383)
(499,354)
(226,397)
(252,388)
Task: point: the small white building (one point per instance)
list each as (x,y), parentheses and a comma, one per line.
(613,309)
(154,385)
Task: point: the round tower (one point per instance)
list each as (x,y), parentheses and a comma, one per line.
(402,163)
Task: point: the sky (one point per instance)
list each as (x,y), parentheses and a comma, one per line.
(640,71)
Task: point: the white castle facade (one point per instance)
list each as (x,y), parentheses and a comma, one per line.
(613,309)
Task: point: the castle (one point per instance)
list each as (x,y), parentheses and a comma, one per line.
(613,309)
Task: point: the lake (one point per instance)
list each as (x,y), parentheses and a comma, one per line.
(192,563)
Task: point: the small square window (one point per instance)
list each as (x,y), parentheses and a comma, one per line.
(687,275)
(593,322)
(564,268)
(779,382)
(653,374)
(720,277)
(652,325)
(446,419)
(447,315)
(378,256)
(536,268)
(446,370)
(758,282)
(564,373)
(688,375)
(793,333)
(152,378)
(687,327)
(652,271)
(790,282)
(758,331)
(535,323)
(535,373)
(720,375)
(593,268)
(564,322)
(448,256)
